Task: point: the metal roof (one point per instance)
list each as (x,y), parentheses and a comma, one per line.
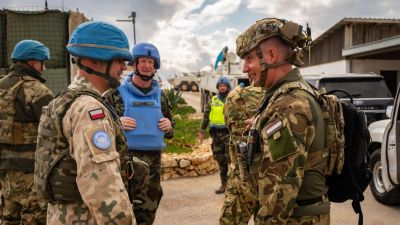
(373,47)
(350,20)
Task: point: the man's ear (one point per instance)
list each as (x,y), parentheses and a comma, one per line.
(273,54)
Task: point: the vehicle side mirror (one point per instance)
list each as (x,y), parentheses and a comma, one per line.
(389,111)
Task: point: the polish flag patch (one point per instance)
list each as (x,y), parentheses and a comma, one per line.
(97,114)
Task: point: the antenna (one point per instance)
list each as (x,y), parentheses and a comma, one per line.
(133,17)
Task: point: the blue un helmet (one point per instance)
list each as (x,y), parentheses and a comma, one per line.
(100,41)
(224,80)
(30,50)
(149,51)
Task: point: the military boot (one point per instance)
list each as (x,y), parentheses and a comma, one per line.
(221,189)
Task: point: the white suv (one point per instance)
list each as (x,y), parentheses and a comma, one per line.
(385,156)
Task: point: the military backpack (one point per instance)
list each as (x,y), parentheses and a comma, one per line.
(347,138)
(11,131)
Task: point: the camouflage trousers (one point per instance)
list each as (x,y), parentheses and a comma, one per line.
(19,203)
(147,199)
(220,150)
(240,201)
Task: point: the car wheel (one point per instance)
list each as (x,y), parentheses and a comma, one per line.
(184,86)
(377,188)
(194,87)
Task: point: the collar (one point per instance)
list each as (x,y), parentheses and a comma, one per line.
(293,75)
(81,83)
(25,70)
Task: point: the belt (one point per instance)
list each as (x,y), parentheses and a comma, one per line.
(312,207)
(309,201)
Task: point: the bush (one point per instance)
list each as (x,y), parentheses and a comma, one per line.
(174,97)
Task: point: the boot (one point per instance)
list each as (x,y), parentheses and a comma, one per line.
(221,189)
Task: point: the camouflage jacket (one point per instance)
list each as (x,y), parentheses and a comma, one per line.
(114,98)
(92,134)
(29,100)
(241,104)
(288,132)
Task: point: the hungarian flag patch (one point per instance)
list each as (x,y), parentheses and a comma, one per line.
(97,114)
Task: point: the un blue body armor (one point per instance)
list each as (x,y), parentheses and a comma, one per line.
(146,110)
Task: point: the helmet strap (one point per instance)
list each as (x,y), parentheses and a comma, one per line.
(142,76)
(264,67)
(114,83)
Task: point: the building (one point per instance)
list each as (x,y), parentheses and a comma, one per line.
(358,45)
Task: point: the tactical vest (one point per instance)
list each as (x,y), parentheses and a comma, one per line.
(317,160)
(217,113)
(55,169)
(12,132)
(146,109)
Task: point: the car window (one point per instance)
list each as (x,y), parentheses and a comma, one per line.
(312,82)
(358,88)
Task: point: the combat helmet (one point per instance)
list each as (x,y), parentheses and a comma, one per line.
(147,50)
(291,33)
(30,50)
(100,41)
(224,80)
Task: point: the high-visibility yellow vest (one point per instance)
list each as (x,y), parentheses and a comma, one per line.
(217,112)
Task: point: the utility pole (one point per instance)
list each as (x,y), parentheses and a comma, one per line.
(45,5)
(133,17)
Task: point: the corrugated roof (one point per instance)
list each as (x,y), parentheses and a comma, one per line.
(351,20)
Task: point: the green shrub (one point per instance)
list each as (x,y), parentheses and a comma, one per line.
(174,97)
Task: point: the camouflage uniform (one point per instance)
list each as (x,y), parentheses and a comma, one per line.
(220,142)
(147,198)
(20,204)
(104,199)
(241,193)
(292,187)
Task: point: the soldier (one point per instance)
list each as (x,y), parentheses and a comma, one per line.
(146,119)
(214,115)
(80,163)
(288,128)
(241,192)
(22,96)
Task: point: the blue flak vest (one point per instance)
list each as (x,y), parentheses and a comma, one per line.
(146,110)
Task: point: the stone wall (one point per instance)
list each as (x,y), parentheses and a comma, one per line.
(197,163)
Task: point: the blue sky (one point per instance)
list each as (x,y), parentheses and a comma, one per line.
(190,33)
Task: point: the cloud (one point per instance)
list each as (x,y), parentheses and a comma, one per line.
(179,39)
(190,34)
(322,14)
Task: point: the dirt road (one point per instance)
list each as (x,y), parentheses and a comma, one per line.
(191,201)
(193,99)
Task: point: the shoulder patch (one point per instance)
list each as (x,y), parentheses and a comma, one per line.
(96,114)
(274,126)
(101,140)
